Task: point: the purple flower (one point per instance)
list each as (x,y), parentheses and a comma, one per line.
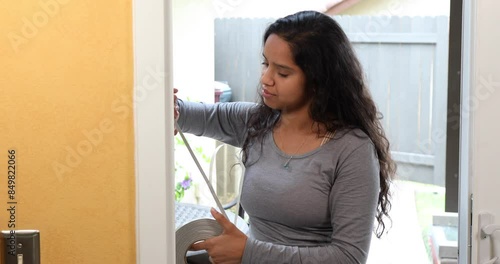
(185,184)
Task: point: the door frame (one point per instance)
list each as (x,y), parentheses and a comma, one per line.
(155,223)
(464,194)
(154,151)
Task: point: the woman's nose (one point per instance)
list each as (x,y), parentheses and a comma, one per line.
(266,77)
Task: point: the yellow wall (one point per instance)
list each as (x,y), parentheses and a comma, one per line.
(66,84)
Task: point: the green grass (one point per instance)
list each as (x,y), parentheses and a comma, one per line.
(429,201)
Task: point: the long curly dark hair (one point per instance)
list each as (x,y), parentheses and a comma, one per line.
(340,97)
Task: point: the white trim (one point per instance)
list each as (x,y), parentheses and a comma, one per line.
(155,227)
(465,208)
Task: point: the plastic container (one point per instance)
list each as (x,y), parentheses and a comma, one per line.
(222,92)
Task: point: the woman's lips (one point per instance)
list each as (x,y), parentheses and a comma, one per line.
(266,93)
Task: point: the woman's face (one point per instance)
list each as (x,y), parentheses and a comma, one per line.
(283,82)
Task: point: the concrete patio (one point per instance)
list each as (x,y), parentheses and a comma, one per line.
(403,243)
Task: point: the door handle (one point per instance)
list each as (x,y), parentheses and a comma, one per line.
(486,239)
(488,230)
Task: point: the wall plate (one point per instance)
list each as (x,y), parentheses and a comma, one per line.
(22,246)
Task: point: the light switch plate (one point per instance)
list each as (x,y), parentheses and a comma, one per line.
(22,246)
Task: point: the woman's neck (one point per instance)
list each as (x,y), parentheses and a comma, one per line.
(298,122)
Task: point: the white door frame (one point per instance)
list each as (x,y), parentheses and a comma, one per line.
(154,162)
(464,197)
(155,225)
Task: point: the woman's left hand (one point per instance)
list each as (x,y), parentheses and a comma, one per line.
(226,248)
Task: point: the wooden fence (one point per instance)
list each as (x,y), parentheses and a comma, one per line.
(406,65)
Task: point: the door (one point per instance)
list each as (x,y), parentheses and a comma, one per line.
(481,114)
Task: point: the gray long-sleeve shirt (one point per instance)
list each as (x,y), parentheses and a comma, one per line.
(319,210)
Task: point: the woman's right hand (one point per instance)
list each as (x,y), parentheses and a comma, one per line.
(176,109)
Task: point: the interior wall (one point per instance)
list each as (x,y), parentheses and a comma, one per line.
(66,110)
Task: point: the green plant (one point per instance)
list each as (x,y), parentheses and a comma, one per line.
(183,173)
(182,186)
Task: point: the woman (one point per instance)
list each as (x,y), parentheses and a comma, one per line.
(318,167)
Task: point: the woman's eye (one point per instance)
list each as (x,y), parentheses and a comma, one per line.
(265,64)
(283,75)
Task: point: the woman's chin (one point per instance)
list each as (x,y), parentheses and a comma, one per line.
(270,104)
